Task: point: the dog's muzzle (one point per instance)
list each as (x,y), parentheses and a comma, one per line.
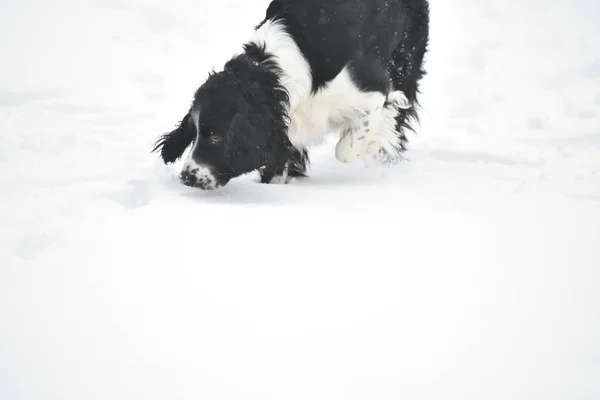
(197,176)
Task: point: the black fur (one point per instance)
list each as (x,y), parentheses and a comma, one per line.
(370,74)
(296,166)
(299,163)
(243,124)
(331,33)
(172,145)
(242,117)
(382,38)
(406,64)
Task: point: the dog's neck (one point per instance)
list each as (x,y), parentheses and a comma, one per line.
(279,49)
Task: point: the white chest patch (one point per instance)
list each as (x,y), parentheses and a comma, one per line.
(329,109)
(313,116)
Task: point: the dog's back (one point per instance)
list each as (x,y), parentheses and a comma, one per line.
(331,33)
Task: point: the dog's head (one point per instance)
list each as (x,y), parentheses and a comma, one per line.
(241,125)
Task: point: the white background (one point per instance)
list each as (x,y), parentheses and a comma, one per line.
(471,271)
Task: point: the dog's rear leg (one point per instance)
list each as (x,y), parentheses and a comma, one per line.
(172,145)
(406,68)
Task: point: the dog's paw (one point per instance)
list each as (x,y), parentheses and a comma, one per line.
(344,150)
(278,177)
(352,147)
(280,180)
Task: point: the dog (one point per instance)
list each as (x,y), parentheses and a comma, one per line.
(310,68)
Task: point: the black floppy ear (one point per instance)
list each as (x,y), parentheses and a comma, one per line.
(172,145)
(254,140)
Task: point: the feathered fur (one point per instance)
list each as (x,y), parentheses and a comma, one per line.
(312,67)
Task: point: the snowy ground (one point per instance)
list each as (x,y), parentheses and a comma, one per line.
(472,271)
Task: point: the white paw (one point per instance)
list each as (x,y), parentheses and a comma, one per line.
(280,180)
(350,148)
(398,98)
(344,150)
(373,149)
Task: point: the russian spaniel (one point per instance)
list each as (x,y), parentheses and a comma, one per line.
(311,68)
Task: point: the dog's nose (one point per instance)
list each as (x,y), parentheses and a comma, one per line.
(188,179)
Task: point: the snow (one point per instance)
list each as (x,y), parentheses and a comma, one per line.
(468,272)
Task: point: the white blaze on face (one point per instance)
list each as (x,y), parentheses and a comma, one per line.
(195,113)
(193,173)
(198,175)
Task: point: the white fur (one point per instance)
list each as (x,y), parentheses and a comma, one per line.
(283,178)
(399,99)
(200,171)
(365,135)
(196,118)
(297,77)
(339,107)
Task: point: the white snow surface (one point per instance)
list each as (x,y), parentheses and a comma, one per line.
(470,271)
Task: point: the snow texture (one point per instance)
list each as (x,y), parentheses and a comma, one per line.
(471,271)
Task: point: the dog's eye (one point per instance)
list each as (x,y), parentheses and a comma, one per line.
(214,138)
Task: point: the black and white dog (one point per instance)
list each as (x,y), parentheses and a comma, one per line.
(312,67)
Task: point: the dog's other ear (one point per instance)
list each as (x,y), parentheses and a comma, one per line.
(255,140)
(172,145)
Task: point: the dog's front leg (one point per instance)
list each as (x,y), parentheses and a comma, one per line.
(284,171)
(373,130)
